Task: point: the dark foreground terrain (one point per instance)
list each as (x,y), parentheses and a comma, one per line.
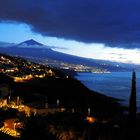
(65,108)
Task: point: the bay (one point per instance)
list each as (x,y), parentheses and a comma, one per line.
(115,84)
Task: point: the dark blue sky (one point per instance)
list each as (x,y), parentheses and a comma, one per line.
(113,22)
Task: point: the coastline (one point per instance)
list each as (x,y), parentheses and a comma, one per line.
(72,94)
(116,85)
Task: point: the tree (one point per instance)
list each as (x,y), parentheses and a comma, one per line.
(36,129)
(132,109)
(132,100)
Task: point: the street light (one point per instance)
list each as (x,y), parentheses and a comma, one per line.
(15,128)
(58,103)
(89,111)
(9,98)
(17,100)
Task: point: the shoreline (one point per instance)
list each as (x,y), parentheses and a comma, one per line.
(121,95)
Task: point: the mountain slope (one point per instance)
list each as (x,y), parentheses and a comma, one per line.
(33,49)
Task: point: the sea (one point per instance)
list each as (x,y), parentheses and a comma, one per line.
(114,84)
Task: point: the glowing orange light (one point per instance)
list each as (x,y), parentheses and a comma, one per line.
(90,119)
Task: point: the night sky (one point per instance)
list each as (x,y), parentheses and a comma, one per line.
(101,29)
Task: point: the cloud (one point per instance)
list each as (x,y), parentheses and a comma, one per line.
(55,47)
(114,23)
(4,44)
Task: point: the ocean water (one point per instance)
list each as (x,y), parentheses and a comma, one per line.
(115,84)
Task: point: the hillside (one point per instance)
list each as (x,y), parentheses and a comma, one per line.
(35,82)
(37,51)
(56,105)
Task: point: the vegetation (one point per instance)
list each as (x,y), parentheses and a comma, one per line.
(132,110)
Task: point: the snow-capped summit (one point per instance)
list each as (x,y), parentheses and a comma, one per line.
(30,44)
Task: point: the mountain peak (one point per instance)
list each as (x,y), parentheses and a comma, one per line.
(31,42)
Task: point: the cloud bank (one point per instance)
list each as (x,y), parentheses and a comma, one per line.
(114,23)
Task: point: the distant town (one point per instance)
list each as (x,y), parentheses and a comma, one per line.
(69,66)
(22,70)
